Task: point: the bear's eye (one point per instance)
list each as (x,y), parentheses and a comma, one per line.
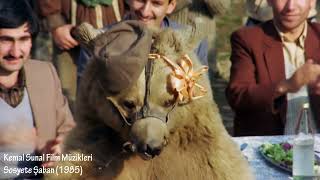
(129,104)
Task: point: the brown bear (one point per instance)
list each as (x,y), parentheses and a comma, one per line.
(152,120)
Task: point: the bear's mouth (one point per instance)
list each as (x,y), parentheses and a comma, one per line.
(132,148)
(146,156)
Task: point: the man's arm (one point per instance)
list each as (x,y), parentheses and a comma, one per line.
(51,10)
(60,29)
(64,122)
(307,74)
(64,116)
(244,93)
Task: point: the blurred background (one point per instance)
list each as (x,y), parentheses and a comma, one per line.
(225,23)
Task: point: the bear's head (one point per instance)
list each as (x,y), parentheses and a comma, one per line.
(138,98)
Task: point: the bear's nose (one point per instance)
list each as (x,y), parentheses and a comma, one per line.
(153,151)
(150,150)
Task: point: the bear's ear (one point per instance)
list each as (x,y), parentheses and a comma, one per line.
(120,53)
(189,37)
(85,33)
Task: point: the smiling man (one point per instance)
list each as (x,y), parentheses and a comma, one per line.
(34,115)
(276,72)
(152,13)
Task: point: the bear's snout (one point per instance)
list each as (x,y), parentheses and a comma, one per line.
(150,135)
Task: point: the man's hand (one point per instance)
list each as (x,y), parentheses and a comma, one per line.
(52,147)
(62,37)
(307,74)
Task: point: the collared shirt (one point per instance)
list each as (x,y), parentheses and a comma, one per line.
(14,95)
(294,58)
(293,51)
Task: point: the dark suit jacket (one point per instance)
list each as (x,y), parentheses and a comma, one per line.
(257,67)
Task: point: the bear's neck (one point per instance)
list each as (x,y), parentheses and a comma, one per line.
(183,152)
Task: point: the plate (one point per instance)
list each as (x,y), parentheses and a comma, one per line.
(282,166)
(286,166)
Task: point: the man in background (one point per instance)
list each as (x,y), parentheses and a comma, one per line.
(35,116)
(153,14)
(259,11)
(276,72)
(61,17)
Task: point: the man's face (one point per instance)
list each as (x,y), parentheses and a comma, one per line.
(15,46)
(151,12)
(291,14)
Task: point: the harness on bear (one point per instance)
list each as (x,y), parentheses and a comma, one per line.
(183,81)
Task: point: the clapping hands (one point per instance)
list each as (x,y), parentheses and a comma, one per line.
(52,147)
(307,74)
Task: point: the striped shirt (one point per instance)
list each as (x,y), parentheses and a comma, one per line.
(14,95)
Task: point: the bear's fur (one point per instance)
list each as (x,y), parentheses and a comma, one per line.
(198,145)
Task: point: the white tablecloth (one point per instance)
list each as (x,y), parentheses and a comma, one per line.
(262,169)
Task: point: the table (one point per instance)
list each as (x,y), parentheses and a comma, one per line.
(262,169)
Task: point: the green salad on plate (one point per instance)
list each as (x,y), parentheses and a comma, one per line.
(281,155)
